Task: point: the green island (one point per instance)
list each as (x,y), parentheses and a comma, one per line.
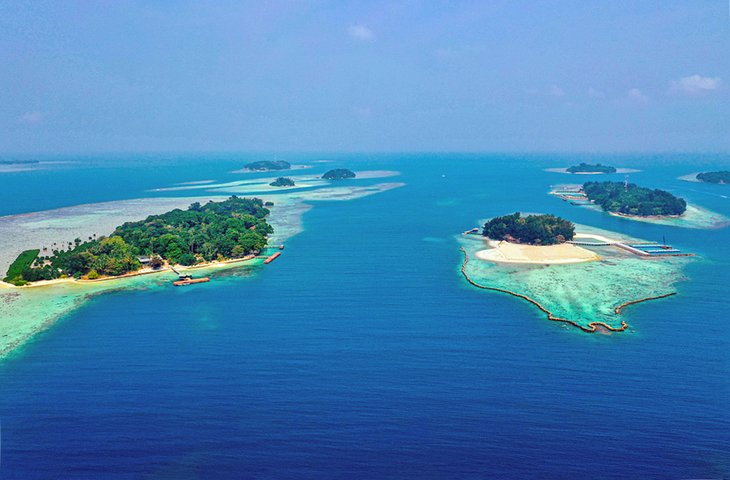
(588,168)
(216,231)
(282,182)
(630,199)
(722,176)
(530,230)
(338,174)
(267,165)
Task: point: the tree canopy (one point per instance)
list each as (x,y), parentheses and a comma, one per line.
(532,229)
(265,165)
(282,182)
(722,176)
(634,200)
(588,168)
(217,230)
(338,174)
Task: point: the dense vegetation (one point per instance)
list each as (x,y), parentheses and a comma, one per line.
(282,182)
(634,200)
(339,174)
(714,177)
(265,165)
(23,262)
(202,233)
(532,229)
(587,168)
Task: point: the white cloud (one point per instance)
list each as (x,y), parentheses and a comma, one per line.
(556,91)
(638,96)
(31,118)
(695,85)
(361,32)
(593,93)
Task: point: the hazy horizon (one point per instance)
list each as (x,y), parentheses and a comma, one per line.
(405,76)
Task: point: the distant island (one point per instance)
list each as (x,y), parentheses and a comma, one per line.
(19,162)
(722,176)
(339,174)
(529,230)
(588,168)
(282,182)
(216,231)
(616,197)
(267,165)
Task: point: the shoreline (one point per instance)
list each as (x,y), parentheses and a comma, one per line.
(515,253)
(29,310)
(138,273)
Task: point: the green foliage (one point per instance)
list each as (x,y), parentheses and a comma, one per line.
(264,165)
(634,200)
(587,168)
(282,182)
(229,229)
(22,263)
(532,229)
(339,174)
(722,176)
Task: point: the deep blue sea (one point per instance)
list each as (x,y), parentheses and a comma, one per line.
(362,353)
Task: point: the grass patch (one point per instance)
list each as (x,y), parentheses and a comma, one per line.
(23,261)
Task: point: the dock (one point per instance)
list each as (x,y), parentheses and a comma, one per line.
(188,280)
(273,257)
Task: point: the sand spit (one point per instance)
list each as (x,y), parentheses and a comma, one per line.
(563,253)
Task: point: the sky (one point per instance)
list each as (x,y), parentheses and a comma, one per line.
(369,76)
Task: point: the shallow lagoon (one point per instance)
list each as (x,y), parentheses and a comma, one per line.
(582,292)
(29,310)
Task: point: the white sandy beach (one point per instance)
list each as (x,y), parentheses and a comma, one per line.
(564,253)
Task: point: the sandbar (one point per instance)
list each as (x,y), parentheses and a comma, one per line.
(563,253)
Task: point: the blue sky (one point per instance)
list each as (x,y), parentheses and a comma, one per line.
(603,76)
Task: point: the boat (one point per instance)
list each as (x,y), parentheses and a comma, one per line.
(281,247)
(272,257)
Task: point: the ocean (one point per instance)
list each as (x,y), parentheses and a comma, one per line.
(363,353)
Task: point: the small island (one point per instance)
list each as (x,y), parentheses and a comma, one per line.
(339,174)
(532,239)
(267,165)
(19,162)
(529,230)
(282,182)
(721,177)
(632,200)
(216,231)
(588,168)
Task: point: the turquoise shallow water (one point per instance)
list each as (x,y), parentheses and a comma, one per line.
(362,353)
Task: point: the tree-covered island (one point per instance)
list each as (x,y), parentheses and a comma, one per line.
(616,197)
(267,165)
(223,230)
(588,168)
(722,176)
(338,174)
(530,230)
(282,182)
